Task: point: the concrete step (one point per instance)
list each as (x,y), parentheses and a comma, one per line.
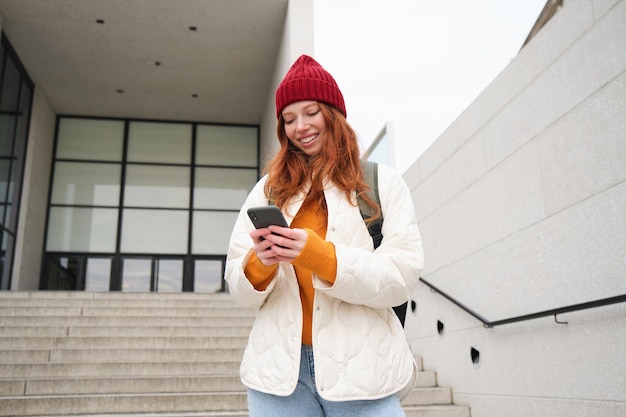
(124,331)
(16,343)
(104,369)
(437,411)
(428,396)
(153,414)
(121,300)
(426,379)
(120,355)
(136,384)
(88,311)
(113,295)
(120,385)
(165,402)
(123,403)
(138,321)
(425,411)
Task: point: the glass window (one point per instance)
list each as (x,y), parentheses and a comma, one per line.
(7,128)
(97,274)
(153,166)
(155,231)
(78,229)
(157,186)
(211,231)
(63,272)
(79,183)
(23,119)
(208,276)
(136,274)
(10,87)
(6,253)
(8,212)
(5,181)
(222,188)
(227,146)
(14,179)
(90,139)
(159,142)
(170,275)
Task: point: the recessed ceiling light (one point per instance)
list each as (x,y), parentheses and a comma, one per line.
(100,21)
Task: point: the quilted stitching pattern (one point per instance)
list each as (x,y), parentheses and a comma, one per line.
(359,345)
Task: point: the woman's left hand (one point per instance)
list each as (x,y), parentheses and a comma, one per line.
(287,243)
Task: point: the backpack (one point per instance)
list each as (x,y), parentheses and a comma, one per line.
(370,176)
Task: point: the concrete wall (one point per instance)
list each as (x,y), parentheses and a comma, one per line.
(521,204)
(32,223)
(297,40)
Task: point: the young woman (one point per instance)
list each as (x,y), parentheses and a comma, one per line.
(326,341)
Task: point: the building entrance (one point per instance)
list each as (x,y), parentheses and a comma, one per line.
(139,206)
(133,273)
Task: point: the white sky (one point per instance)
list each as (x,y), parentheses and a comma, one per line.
(416,63)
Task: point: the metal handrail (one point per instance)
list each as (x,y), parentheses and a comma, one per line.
(552,312)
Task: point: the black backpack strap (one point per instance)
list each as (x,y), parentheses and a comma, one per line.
(375,227)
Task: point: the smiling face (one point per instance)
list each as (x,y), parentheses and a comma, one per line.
(305,126)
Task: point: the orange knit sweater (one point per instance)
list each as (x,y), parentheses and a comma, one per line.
(318,256)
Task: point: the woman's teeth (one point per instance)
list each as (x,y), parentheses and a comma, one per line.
(308,139)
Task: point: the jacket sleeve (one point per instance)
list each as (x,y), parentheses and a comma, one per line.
(239,287)
(387,276)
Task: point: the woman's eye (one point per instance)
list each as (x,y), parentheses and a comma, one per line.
(288,122)
(313,114)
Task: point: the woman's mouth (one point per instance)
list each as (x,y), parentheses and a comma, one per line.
(308,139)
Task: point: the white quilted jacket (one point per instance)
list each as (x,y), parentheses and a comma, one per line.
(359,345)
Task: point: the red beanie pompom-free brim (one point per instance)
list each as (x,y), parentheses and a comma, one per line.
(308,80)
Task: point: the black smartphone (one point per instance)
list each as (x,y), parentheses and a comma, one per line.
(265,216)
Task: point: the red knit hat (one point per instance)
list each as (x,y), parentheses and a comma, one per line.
(307,80)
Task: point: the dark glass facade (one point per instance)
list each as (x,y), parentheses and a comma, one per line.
(140,205)
(16,96)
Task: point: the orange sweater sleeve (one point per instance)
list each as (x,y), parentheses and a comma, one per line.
(319,257)
(258,274)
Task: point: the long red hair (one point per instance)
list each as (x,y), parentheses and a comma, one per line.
(338,161)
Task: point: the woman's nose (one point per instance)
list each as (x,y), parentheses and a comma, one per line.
(301,124)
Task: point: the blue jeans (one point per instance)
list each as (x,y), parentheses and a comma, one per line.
(306,402)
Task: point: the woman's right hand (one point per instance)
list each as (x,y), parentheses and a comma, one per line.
(263,247)
(282,245)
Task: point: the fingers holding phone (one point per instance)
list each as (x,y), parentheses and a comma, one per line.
(273,240)
(287,243)
(263,247)
(262,218)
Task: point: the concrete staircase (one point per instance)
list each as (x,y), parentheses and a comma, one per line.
(124,354)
